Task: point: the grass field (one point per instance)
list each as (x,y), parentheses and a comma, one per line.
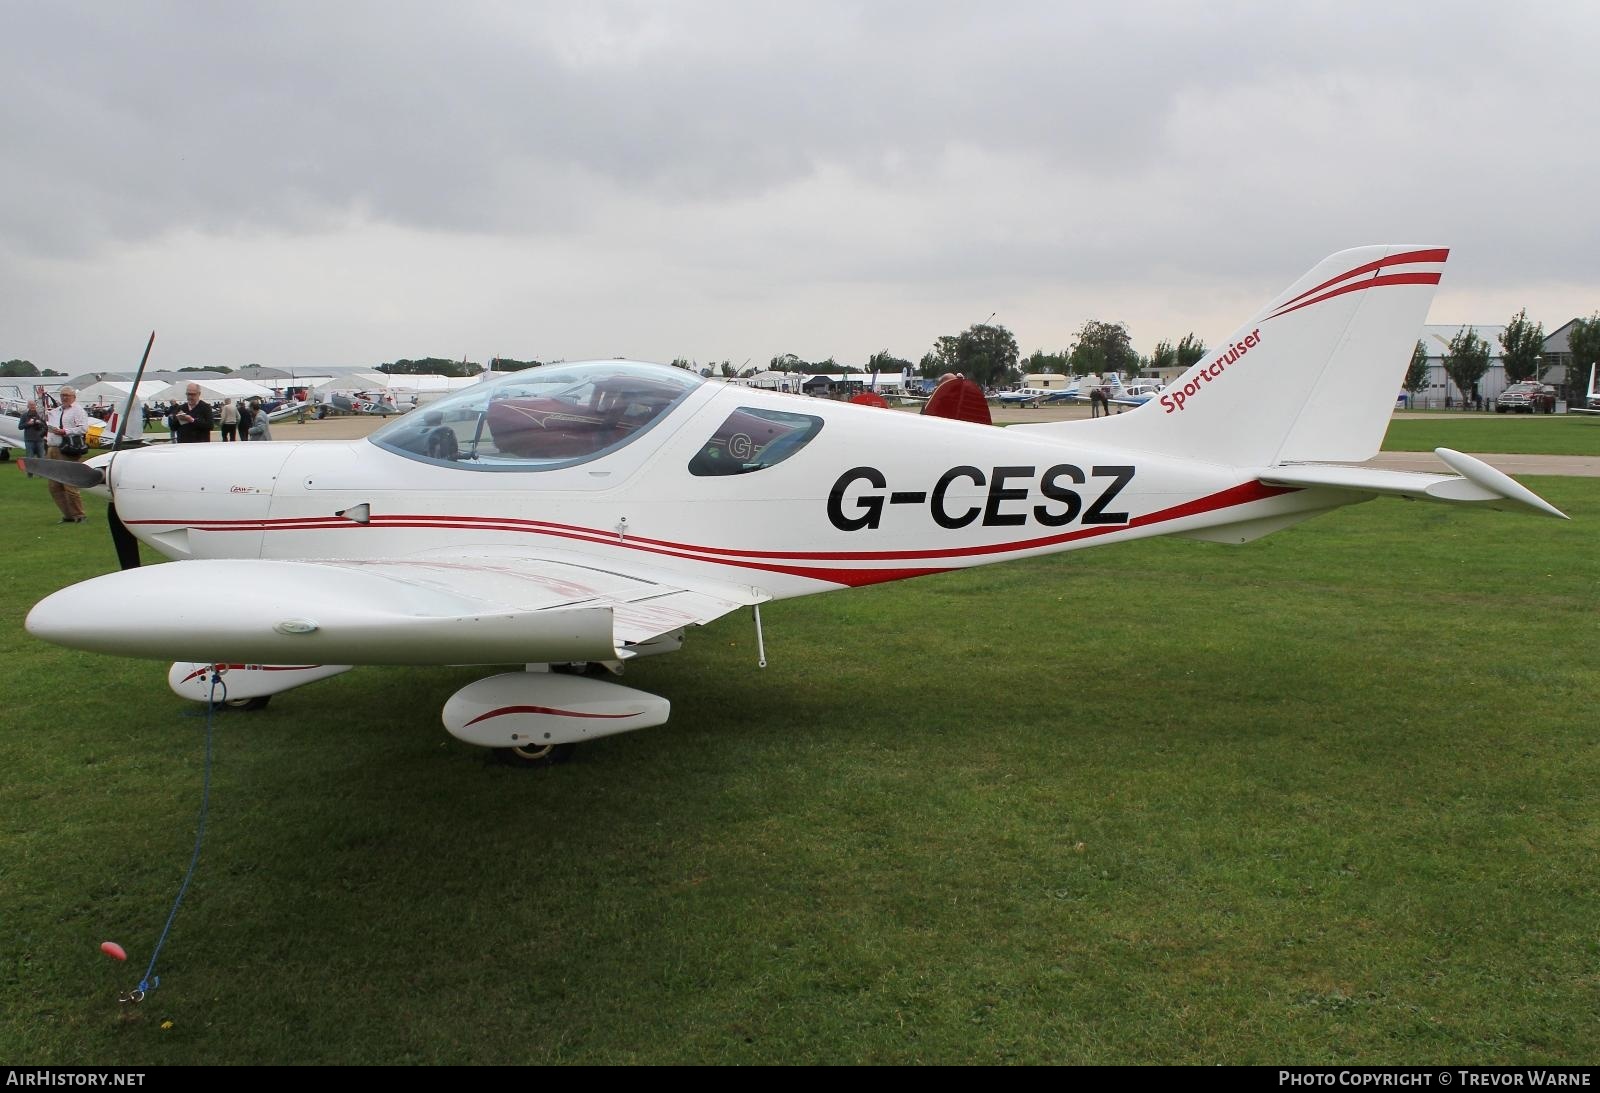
(1327,797)
(1508,434)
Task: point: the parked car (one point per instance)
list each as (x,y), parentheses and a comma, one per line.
(1528,397)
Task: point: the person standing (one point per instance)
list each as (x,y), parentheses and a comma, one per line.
(192,418)
(71,443)
(1099,402)
(35,432)
(260,428)
(230,420)
(246,419)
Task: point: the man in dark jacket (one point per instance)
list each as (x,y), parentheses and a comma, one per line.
(35,432)
(191,420)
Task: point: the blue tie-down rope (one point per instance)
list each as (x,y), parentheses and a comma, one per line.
(151,981)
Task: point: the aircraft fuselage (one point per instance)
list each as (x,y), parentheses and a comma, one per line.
(874,496)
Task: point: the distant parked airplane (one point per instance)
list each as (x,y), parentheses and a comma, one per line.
(1593,398)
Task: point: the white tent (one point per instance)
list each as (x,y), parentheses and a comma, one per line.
(213,390)
(295,383)
(115,392)
(356,381)
(429,383)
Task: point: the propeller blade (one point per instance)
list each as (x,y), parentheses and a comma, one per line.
(117,442)
(127,546)
(122,539)
(79,476)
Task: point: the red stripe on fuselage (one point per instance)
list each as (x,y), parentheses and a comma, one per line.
(249,667)
(764,560)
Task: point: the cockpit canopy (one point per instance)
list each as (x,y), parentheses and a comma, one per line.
(541,418)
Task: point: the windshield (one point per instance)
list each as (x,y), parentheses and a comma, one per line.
(541,418)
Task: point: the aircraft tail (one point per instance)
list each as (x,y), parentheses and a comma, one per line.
(1312,376)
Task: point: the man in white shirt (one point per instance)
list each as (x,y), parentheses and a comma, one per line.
(68,420)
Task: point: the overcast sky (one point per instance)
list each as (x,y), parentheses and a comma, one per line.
(349,183)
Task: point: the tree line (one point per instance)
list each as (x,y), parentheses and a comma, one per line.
(988,354)
(27,369)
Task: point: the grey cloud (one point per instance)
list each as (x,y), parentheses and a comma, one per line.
(291,116)
(768,147)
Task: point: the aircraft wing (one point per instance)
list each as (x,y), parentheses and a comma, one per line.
(100,433)
(462,609)
(288,409)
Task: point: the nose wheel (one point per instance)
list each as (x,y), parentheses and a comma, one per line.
(535,755)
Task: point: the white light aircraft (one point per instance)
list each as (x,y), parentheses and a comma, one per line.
(367,402)
(1592,402)
(101,434)
(590,513)
(1038,396)
(285,408)
(1136,393)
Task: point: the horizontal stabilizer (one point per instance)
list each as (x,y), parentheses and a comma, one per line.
(1478,483)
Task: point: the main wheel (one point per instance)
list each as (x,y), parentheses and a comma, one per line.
(257,703)
(543,755)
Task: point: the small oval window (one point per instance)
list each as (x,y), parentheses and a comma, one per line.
(753,440)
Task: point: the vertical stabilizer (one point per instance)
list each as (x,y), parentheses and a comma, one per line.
(1313,376)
